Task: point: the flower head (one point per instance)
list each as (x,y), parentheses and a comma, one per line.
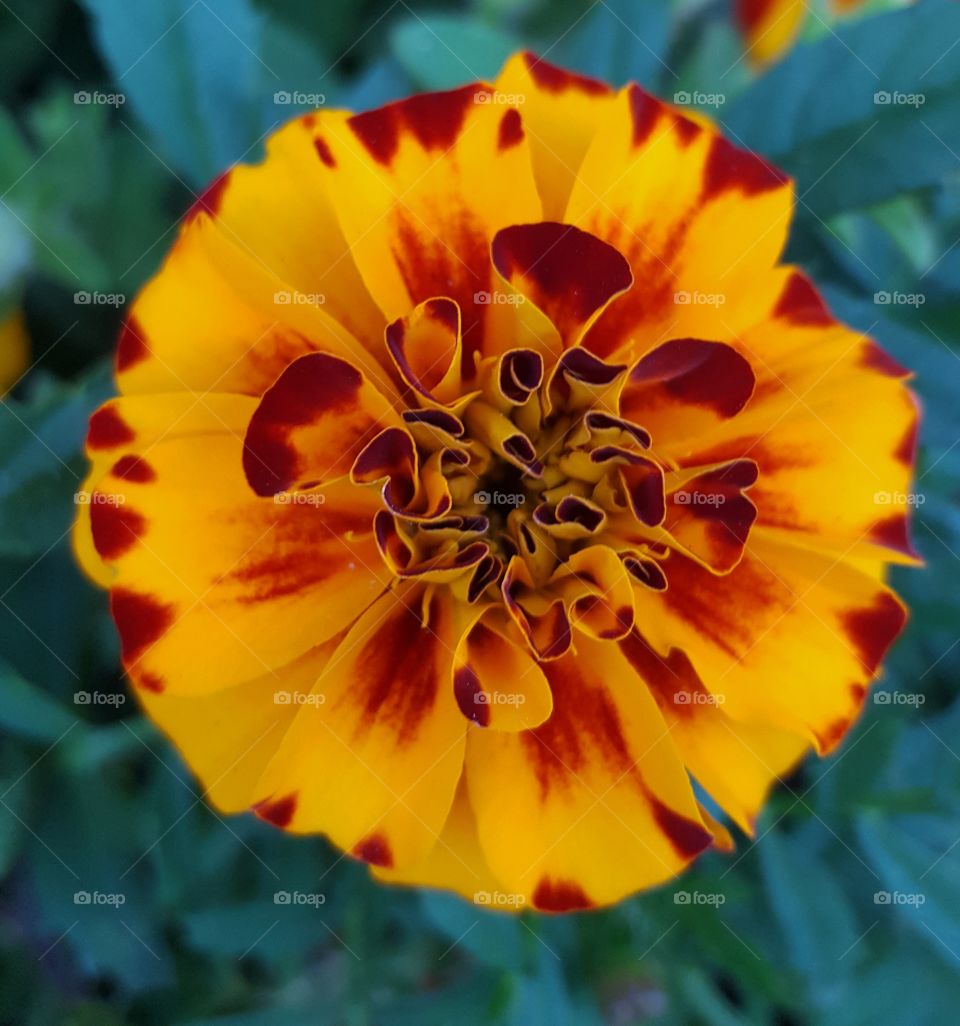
(770,27)
(479,478)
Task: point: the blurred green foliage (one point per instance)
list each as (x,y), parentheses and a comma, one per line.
(787,931)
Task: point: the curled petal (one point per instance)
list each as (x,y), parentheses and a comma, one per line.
(685,387)
(415,492)
(709,515)
(311,424)
(425,347)
(566,272)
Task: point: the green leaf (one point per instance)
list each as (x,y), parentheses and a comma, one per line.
(29,711)
(921,879)
(814,914)
(492,937)
(843,114)
(620,41)
(192,74)
(40,447)
(441,51)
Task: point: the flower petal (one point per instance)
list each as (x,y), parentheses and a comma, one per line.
(229,736)
(601,776)
(709,515)
(216,318)
(213,586)
(770,26)
(421,186)
(311,424)
(456,862)
(736,763)
(375,762)
(832,427)
(561,111)
(816,626)
(425,347)
(684,387)
(568,274)
(496,682)
(697,218)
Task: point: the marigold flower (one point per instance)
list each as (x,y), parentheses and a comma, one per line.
(14,349)
(771,27)
(478,478)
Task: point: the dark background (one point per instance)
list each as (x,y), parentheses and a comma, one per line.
(793,929)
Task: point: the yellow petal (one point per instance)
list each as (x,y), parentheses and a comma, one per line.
(375,762)
(594,804)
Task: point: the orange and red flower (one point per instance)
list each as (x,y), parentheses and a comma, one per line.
(770,27)
(479,479)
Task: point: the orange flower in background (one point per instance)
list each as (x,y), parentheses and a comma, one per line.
(771,27)
(479,479)
(14,349)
